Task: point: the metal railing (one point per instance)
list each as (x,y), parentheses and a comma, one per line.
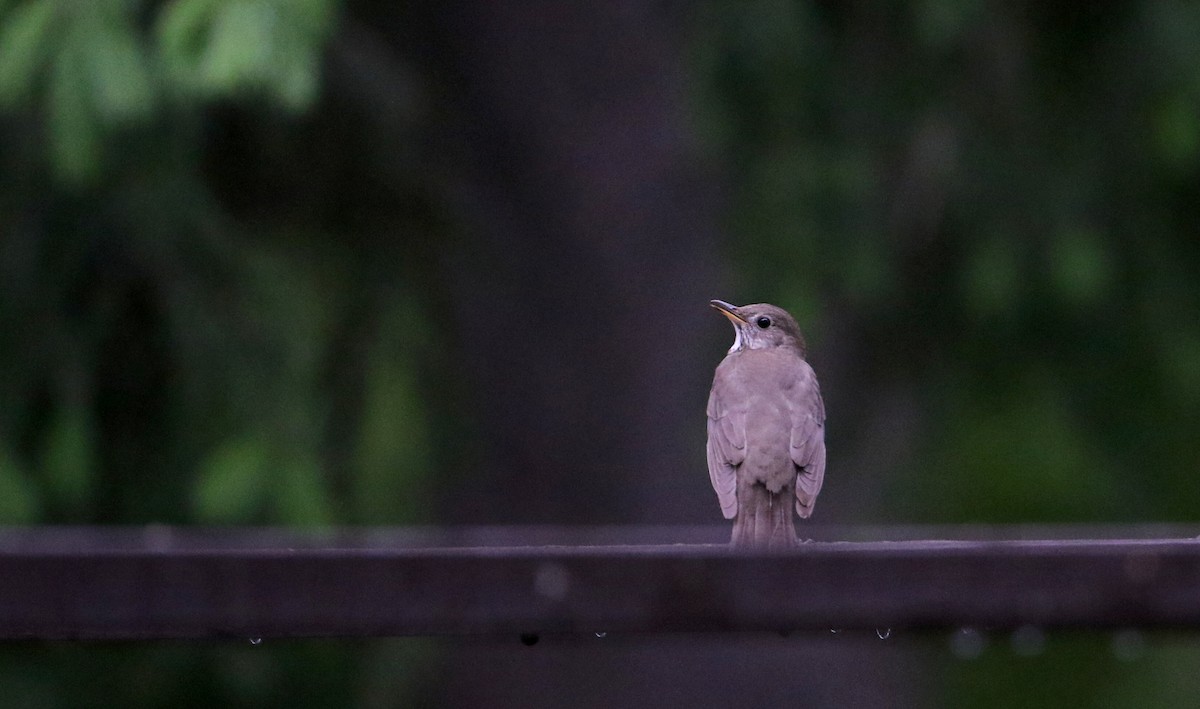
(156,582)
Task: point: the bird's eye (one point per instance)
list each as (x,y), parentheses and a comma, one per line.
(764,322)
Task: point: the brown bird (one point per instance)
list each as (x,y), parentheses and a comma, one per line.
(766,427)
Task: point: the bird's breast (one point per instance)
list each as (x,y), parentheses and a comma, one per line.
(764,385)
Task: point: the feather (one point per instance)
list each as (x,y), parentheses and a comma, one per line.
(726,450)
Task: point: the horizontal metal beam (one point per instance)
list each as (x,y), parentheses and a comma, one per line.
(164,584)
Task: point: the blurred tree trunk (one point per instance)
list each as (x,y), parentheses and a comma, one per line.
(586,256)
(579,280)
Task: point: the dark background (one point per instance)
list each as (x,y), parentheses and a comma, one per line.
(310,262)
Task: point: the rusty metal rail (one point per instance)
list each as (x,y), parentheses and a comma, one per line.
(168,583)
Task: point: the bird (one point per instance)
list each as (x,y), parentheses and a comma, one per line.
(766,427)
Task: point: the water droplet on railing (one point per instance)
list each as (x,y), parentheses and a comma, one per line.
(1128,645)
(967,643)
(256,641)
(529,639)
(1028,641)
(835,631)
(601,634)
(883,633)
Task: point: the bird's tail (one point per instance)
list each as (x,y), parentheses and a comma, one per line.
(764,519)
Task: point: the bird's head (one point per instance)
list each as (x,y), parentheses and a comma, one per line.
(761,326)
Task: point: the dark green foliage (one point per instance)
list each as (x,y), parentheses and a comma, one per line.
(1001,201)
(220,300)
(171,353)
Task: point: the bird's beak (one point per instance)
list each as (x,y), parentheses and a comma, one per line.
(729,310)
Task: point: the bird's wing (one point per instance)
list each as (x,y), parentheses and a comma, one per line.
(726,447)
(808,441)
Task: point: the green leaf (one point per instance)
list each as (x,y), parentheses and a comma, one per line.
(1081,266)
(120,81)
(1177,132)
(241,46)
(394,449)
(1179,350)
(18,499)
(868,274)
(991,278)
(313,18)
(74,134)
(26,40)
(183,35)
(298,82)
(302,497)
(234,483)
(217,49)
(941,23)
(68,457)
(1027,437)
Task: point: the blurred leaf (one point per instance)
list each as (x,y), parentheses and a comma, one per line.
(394,448)
(26,41)
(74,133)
(240,46)
(18,499)
(68,457)
(301,496)
(121,87)
(941,23)
(1167,674)
(991,279)
(298,81)
(182,31)
(1022,457)
(799,297)
(867,275)
(1177,132)
(265,46)
(1179,350)
(234,483)
(1078,669)
(314,19)
(1080,266)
